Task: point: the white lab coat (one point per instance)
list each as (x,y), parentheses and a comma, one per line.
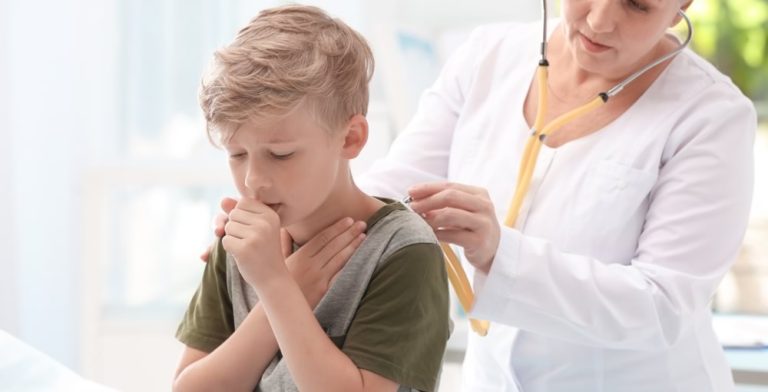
(605,284)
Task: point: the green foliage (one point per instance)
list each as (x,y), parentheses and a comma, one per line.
(733,35)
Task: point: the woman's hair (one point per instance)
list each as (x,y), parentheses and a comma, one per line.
(285,57)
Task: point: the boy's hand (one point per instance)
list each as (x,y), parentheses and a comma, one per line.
(316,265)
(253,238)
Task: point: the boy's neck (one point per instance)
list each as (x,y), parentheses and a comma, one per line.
(347,201)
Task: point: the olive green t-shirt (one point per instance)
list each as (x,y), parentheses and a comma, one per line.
(400,327)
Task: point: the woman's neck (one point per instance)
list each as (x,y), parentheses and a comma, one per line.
(567,79)
(570,82)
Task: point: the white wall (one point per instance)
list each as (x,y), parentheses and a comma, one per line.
(441,15)
(56,113)
(44,144)
(9,320)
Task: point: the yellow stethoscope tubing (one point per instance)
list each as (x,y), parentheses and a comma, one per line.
(533,145)
(462,288)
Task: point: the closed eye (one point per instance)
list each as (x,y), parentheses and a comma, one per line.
(281,157)
(637,5)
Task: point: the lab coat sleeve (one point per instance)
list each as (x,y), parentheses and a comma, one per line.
(693,231)
(421,151)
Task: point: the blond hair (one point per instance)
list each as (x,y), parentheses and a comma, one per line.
(285,57)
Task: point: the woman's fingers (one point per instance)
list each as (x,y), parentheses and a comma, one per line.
(453,218)
(228,204)
(218,224)
(206,254)
(460,214)
(219,221)
(460,237)
(449,198)
(427,189)
(452,195)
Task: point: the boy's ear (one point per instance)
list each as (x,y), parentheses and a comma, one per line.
(355,136)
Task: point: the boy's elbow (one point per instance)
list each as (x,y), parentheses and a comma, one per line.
(186,382)
(189,380)
(179,383)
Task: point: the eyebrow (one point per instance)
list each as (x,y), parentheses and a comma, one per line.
(277,139)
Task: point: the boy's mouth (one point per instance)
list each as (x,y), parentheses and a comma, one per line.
(273,206)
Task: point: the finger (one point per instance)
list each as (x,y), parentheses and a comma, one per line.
(286,243)
(252,205)
(463,238)
(333,279)
(337,263)
(218,224)
(229,243)
(236,230)
(227,204)
(338,243)
(454,198)
(316,244)
(338,260)
(427,189)
(240,215)
(206,254)
(453,218)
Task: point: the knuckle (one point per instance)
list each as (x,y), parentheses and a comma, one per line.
(450,196)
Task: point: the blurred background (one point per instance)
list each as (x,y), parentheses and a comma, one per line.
(108,183)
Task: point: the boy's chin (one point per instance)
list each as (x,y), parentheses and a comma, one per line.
(286,219)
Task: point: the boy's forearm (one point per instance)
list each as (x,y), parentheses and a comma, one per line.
(315,363)
(238,363)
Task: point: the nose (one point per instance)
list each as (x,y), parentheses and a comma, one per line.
(601,18)
(256,179)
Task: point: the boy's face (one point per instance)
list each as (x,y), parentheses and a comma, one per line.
(291,164)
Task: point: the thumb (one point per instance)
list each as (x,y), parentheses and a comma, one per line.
(227,204)
(286,243)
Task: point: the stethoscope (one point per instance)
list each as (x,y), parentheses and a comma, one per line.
(539,133)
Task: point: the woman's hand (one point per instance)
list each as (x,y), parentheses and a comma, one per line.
(227,204)
(460,214)
(315,265)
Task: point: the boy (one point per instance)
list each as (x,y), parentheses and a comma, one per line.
(287,99)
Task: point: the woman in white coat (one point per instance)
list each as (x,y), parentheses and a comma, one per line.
(634,212)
